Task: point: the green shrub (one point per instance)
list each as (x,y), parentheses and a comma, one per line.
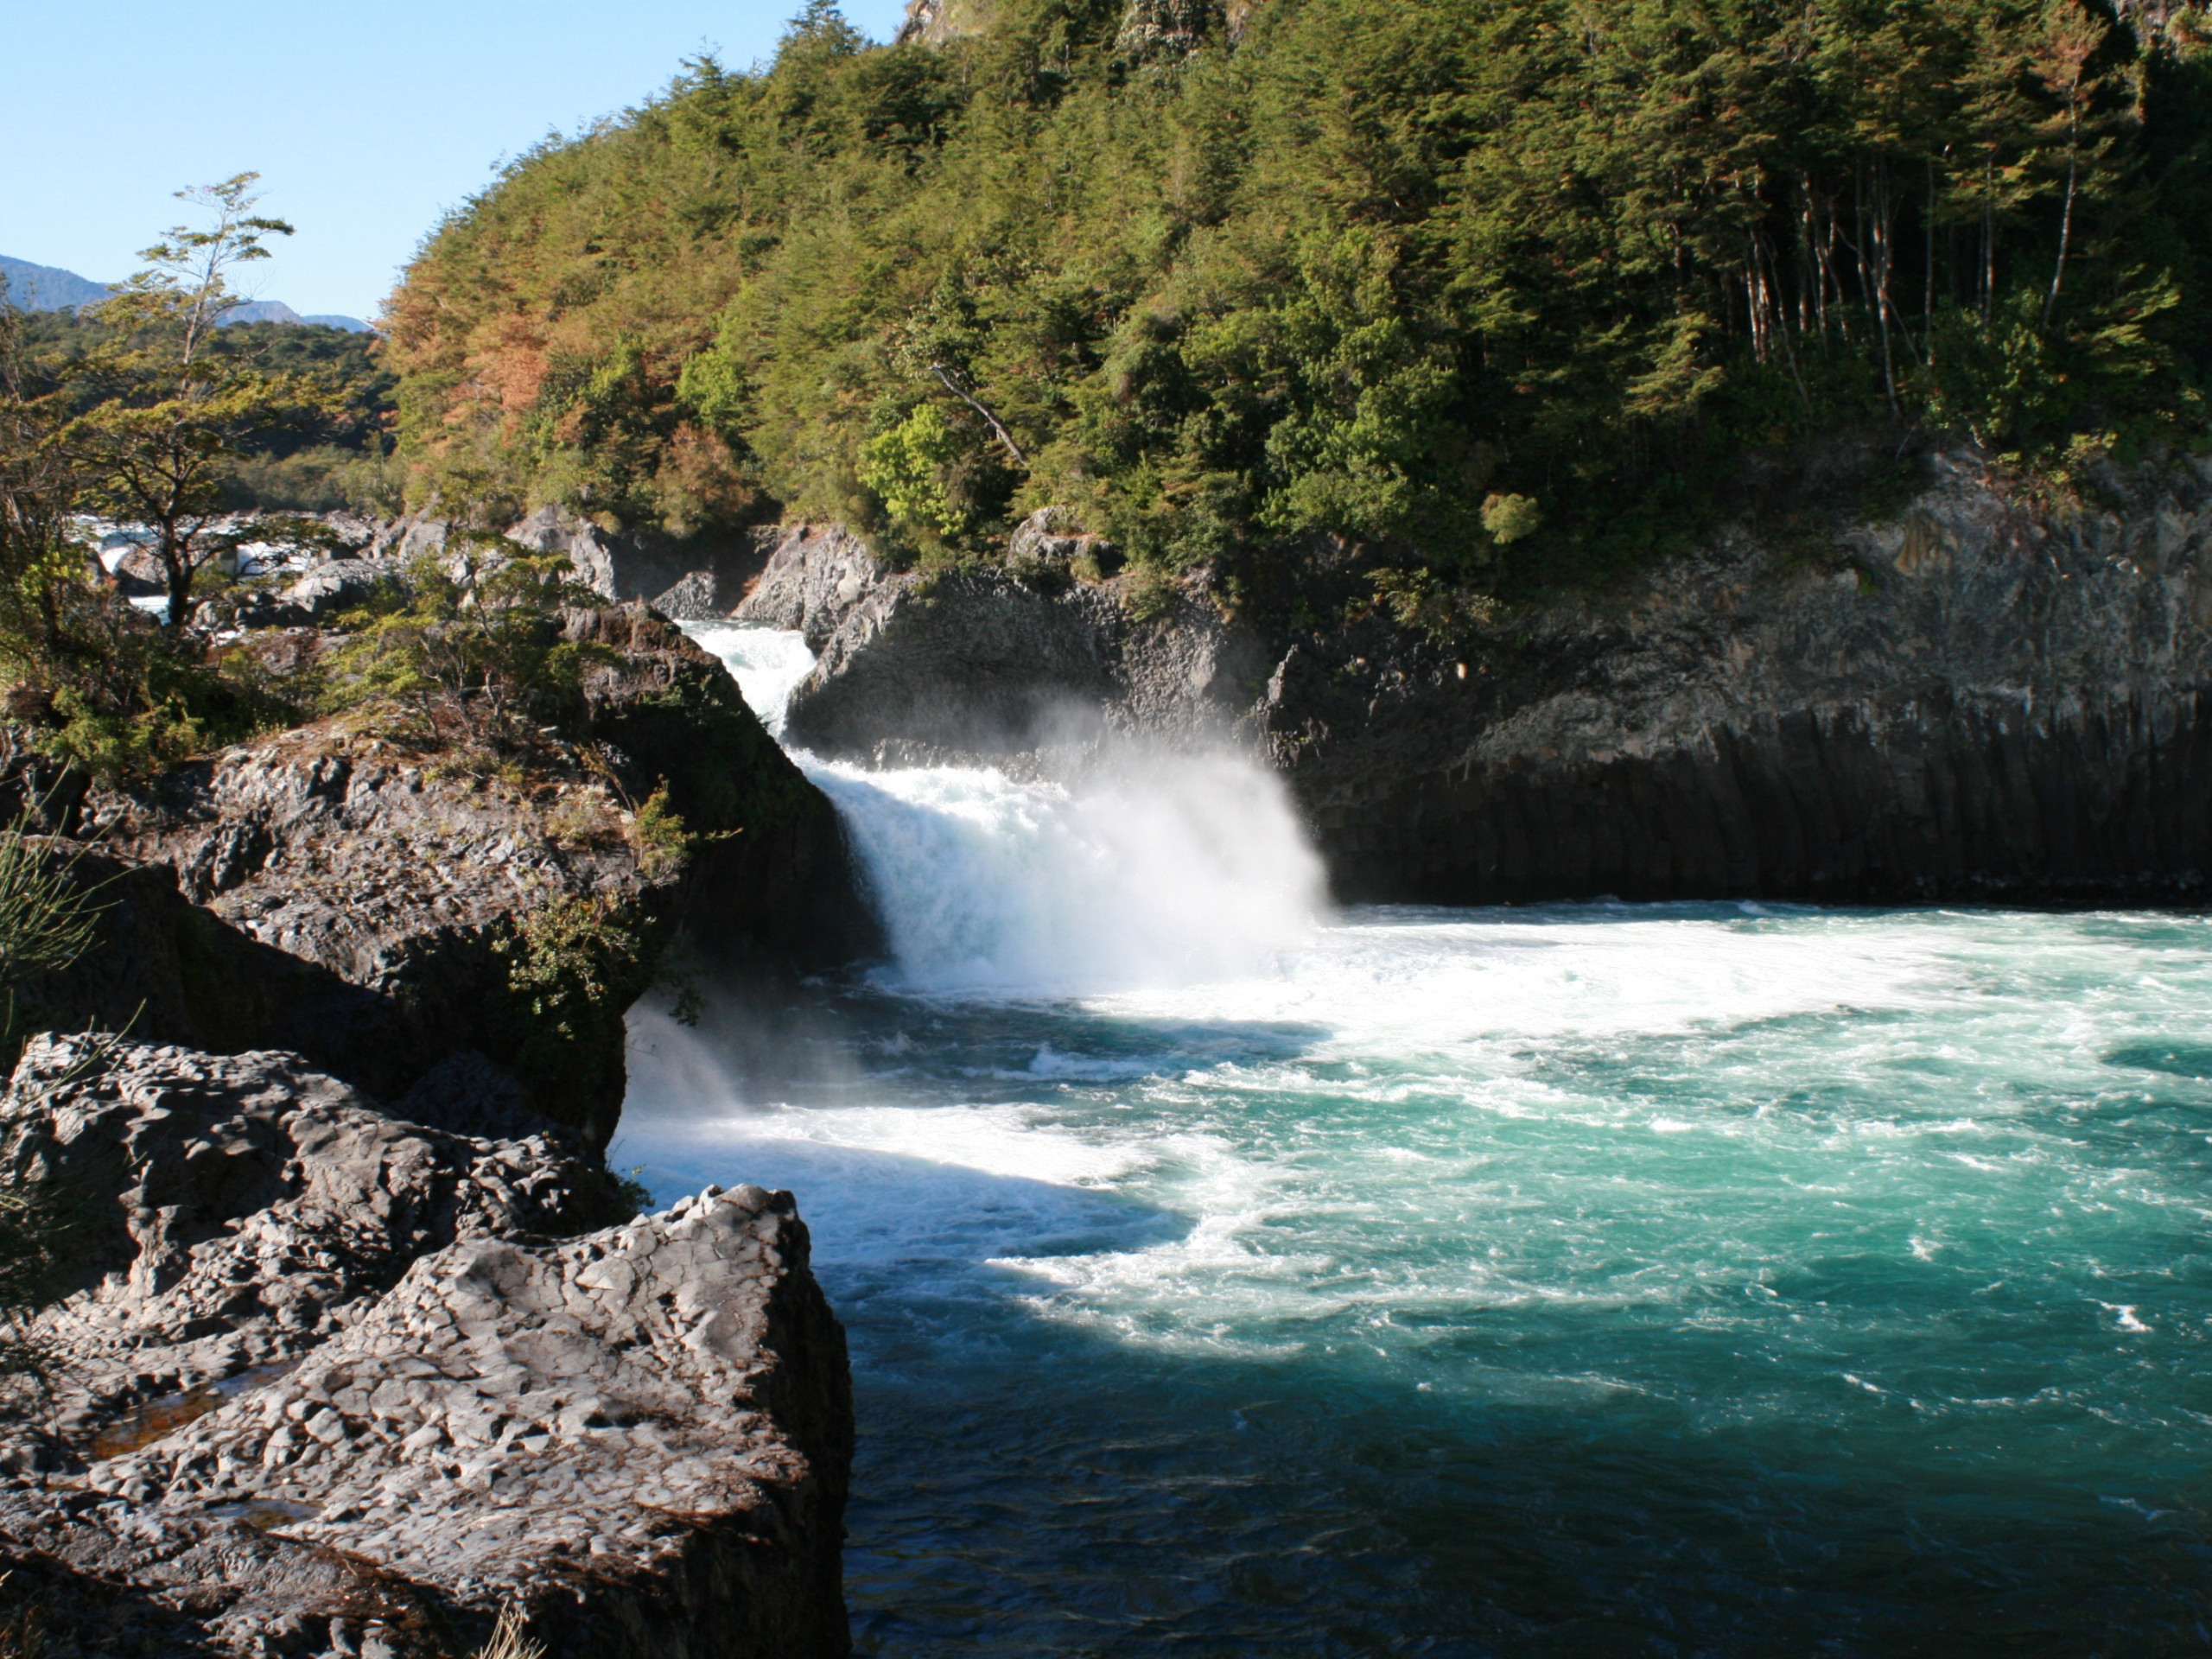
(574,965)
(658,834)
(1509,518)
(905,468)
(476,660)
(1148,593)
(1420,600)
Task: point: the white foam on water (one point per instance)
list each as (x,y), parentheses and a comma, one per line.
(1255,1129)
(1422,986)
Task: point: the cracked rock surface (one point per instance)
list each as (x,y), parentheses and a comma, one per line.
(641,1435)
(260,1206)
(373,893)
(384,886)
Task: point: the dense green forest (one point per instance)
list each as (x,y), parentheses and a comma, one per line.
(336,455)
(1505,286)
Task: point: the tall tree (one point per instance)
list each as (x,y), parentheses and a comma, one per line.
(174,404)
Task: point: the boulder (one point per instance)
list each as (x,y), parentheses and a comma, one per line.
(366,910)
(983,665)
(696,579)
(408,537)
(400,1406)
(228,1213)
(333,585)
(816,576)
(368,903)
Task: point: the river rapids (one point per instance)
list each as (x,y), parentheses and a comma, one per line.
(1228,1275)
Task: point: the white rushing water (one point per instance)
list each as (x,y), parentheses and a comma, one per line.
(1225,1276)
(1139,868)
(1145,871)
(768,665)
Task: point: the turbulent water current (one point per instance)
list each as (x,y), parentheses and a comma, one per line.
(1228,1276)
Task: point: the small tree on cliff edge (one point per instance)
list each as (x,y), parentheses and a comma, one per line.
(176,402)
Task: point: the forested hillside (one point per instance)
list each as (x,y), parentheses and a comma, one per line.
(1507,285)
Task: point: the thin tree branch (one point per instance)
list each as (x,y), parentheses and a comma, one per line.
(953,386)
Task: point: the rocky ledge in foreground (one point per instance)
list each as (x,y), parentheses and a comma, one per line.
(329,1385)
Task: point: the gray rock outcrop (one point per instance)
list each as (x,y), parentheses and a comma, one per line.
(333,585)
(383,896)
(987,664)
(816,576)
(692,580)
(403,1407)
(259,1205)
(361,899)
(1982,697)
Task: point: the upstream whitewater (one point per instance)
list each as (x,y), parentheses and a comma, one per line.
(1224,1277)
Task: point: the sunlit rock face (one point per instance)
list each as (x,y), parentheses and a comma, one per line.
(1151,30)
(933,23)
(336,1387)
(239,1209)
(353,893)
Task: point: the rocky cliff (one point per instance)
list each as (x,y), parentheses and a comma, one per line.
(1150,30)
(1980,693)
(995,663)
(323,1328)
(344,891)
(333,1383)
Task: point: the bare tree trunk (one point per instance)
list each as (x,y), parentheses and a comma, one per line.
(1755,304)
(1880,242)
(2065,218)
(952,384)
(1805,267)
(1927,264)
(1989,235)
(1831,279)
(1760,250)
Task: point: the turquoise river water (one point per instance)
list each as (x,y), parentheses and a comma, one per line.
(1229,1277)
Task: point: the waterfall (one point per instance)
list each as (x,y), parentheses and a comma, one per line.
(768,665)
(1141,868)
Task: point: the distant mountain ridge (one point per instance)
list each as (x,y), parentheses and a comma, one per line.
(277,311)
(49,288)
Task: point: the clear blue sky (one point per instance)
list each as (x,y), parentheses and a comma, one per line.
(365,122)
